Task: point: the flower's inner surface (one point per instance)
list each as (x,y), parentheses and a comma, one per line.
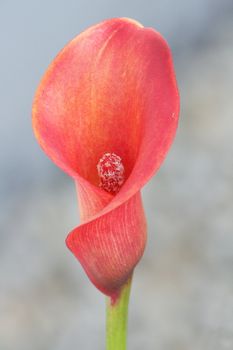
(111,172)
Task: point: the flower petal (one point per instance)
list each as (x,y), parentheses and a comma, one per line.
(110,246)
(98,94)
(111,89)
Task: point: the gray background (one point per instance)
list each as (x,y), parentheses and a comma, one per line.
(182,296)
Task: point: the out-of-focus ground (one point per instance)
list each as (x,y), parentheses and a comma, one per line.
(182,296)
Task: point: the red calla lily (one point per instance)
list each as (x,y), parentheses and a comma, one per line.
(111,89)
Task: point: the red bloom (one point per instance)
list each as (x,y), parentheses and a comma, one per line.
(106,112)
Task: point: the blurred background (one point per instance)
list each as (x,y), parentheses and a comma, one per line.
(182,296)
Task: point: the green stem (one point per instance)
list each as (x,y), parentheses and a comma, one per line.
(116,319)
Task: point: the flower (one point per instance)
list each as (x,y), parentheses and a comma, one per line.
(106,112)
